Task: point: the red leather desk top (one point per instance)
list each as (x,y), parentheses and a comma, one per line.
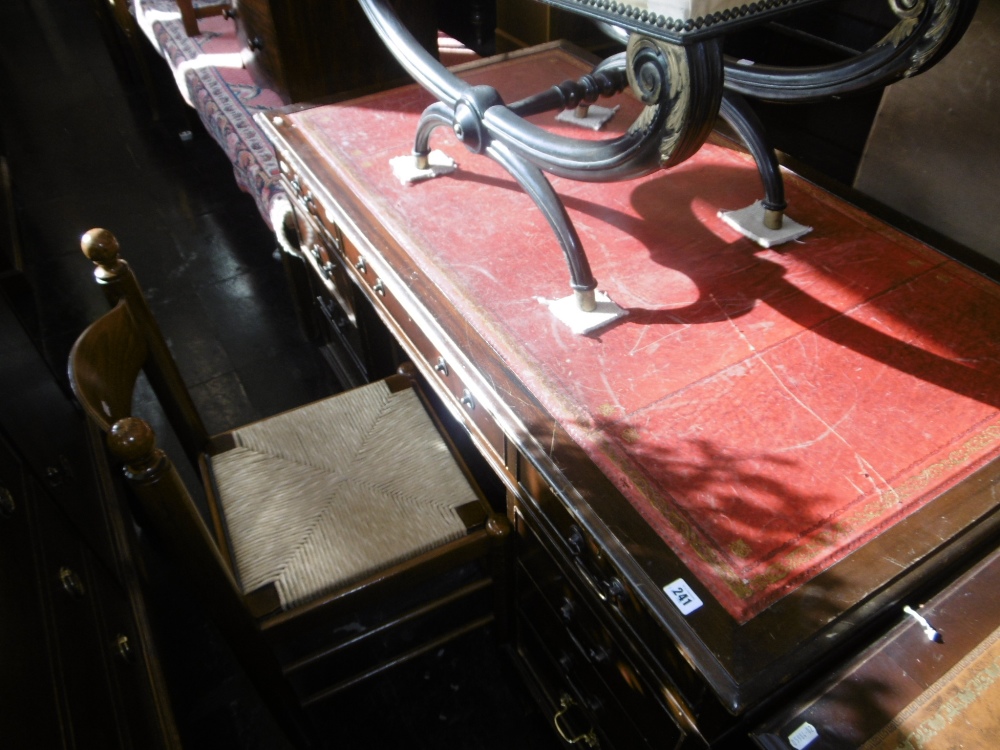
(766,411)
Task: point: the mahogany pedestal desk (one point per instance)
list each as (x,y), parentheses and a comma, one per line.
(722,495)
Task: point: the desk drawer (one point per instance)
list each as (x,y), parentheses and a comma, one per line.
(548,598)
(73,582)
(593,569)
(322,250)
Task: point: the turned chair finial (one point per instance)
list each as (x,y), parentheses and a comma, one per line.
(101,247)
(133,441)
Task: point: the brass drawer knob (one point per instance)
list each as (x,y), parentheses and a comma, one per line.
(123,648)
(567,610)
(71,582)
(58,471)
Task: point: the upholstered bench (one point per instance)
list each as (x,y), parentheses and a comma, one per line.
(211,78)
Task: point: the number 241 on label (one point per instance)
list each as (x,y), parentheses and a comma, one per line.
(682,596)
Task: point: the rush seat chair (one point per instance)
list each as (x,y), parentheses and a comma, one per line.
(345,536)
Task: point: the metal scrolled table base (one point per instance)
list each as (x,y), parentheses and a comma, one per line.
(679,72)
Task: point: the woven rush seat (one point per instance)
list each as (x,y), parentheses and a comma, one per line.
(306,495)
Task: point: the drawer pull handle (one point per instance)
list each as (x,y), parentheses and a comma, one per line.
(361,266)
(7,504)
(59,471)
(611,591)
(379,288)
(467,400)
(123,647)
(256,44)
(575,540)
(567,609)
(71,582)
(587,738)
(598,654)
(441,367)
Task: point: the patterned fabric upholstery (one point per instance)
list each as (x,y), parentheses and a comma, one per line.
(211,78)
(321,496)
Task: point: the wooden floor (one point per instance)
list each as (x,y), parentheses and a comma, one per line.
(84,151)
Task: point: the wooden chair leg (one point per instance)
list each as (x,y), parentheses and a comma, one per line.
(191,14)
(499,529)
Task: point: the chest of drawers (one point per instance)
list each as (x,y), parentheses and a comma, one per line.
(79,667)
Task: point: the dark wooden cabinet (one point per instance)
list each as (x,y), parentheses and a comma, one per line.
(22,620)
(586,670)
(78,670)
(309,49)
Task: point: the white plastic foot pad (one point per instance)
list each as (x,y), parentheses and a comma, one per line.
(405,167)
(749,221)
(568,311)
(595,118)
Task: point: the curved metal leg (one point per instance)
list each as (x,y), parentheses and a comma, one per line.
(435,116)
(744,121)
(534,183)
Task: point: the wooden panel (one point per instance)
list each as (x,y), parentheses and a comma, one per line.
(22,622)
(68,574)
(525,23)
(309,49)
(934,136)
(907,690)
(259,44)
